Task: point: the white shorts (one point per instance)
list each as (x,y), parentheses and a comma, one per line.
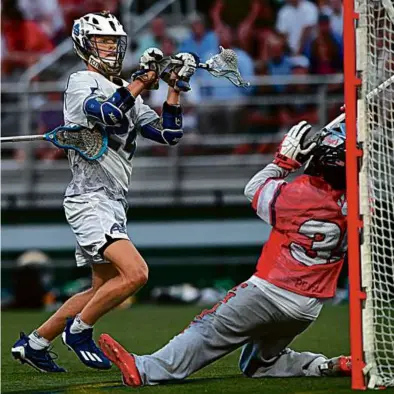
(95,220)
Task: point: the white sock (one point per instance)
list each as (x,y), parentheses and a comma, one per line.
(37,342)
(78,325)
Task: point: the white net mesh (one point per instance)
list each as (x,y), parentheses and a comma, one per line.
(375,44)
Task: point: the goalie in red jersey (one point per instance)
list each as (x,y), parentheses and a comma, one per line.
(298,269)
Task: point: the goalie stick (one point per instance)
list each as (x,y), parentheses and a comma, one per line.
(339,119)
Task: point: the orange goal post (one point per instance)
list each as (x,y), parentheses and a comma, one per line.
(369,99)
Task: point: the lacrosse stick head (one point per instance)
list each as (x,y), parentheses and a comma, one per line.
(91,144)
(225,64)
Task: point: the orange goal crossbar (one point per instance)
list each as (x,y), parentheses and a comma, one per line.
(353,154)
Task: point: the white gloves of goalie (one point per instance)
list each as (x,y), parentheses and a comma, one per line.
(292,153)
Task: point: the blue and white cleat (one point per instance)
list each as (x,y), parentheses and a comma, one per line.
(41,360)
(82,344)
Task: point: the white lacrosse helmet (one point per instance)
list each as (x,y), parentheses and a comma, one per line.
(99,24)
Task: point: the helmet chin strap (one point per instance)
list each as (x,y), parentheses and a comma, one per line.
(99,65)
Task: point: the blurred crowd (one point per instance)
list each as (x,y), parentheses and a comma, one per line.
(275,38)
(32,28)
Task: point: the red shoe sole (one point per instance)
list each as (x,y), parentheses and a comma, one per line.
(122,359)
(345,365)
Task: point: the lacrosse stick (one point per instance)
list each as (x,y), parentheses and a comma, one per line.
(339,119)
(90,144)
(222,65)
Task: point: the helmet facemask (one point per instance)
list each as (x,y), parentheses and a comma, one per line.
(107,61)
(329,159)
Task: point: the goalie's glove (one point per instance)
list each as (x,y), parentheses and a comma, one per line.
(151,60)
(178,77)
(294,150)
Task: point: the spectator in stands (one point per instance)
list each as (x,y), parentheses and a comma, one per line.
(254,30)
(336,17)
(218,118)
(279,63)
(73,9)
(24,39)
(153,38)
(296,21)
(273,117)
(48,14)
(294,113)
(201,41)
(257,28)
(220,89)
(325,49)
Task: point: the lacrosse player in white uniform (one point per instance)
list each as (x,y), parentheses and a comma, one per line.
(95,201)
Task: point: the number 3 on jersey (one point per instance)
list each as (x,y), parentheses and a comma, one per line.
(324,248)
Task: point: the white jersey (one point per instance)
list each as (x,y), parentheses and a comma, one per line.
(111,172)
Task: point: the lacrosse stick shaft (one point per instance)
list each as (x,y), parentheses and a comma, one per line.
(337,120)
(380,88)
(21,138)
(371,94)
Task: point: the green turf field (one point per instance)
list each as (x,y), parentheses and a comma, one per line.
(143,329)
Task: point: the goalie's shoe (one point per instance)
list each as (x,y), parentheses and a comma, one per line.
(122,359)
(41,360)
(82,344)
(337,366)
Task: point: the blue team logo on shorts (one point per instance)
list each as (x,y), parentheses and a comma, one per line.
(118,228)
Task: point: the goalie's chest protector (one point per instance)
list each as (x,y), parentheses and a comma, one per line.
(306,248)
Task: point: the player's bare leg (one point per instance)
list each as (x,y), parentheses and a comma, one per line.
(55,325)
(132,275)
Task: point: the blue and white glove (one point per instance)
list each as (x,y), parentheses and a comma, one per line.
(178,77)
(151,60)
(189,65)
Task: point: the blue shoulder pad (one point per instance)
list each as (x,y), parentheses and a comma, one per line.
(109,111)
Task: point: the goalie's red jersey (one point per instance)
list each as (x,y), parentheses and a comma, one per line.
(305,250)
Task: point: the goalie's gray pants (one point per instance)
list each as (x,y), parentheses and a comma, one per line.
(245,317)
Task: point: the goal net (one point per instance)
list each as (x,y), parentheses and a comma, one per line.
(375,61)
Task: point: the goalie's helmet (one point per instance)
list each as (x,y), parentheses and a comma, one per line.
(100,24)
(328,159)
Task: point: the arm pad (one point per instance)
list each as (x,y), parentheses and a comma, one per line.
(271,171)
(167,130)
(110,111)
